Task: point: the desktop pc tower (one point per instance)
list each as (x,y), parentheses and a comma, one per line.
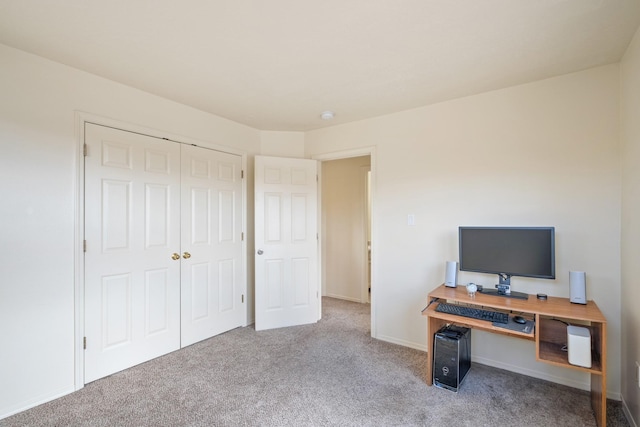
(451,356)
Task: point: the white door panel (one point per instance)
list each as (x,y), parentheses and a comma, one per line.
(164,265)
(286,243)
(132,227)
(212,300)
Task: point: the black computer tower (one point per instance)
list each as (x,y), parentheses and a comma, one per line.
(451,356)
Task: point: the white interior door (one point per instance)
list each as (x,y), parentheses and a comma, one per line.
(286,242)
(132,230)
(212,263)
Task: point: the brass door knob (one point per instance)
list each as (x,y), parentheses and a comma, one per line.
(186,255)
(175,256)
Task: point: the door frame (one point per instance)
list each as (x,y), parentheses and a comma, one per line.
(365,172)
(345,154)
(80,119)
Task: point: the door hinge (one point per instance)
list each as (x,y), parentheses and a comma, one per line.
(84,246)
(84,150)
(242,236)
(243,298)
(241,174)
(84,343)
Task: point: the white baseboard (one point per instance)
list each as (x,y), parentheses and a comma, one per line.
(392,340)
(32,403)
(344,298)
(627,414)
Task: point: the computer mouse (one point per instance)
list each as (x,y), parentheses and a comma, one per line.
(519,319)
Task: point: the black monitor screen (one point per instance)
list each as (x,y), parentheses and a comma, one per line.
(512,251)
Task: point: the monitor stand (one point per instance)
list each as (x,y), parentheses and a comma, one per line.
(498,293)
(504,288)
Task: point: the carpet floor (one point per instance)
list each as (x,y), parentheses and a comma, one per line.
(327,374)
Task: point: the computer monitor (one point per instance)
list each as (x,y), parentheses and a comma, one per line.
(508,251)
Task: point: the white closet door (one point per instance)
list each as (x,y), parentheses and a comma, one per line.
(132,229)
(286,242)
(212,262)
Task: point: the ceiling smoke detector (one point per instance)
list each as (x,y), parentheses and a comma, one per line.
(327,115)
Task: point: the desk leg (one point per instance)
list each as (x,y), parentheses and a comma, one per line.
(599,382)
(433,326)
(599,399)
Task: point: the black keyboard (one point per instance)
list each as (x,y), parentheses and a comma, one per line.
(472,312)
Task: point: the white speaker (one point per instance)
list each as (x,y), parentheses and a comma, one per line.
(578,287)
(451,275)
(579,346)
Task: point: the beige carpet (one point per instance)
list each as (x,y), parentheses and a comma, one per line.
(328,374)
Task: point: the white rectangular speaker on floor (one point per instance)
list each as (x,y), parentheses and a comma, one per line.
(451,275)
(578,287)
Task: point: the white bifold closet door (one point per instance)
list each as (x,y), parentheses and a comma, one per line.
(212,264)
(163,260)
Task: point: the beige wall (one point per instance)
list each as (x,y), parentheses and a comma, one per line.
(282,144)
(40,172)
(630,137)
(544,153)
(344,233)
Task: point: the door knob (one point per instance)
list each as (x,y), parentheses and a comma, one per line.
(260,252)
(175,256)
(186,255)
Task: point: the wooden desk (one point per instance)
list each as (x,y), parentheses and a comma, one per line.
(549,335)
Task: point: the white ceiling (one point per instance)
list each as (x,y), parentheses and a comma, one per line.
(278,64)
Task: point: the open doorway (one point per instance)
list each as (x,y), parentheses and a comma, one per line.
(346,228)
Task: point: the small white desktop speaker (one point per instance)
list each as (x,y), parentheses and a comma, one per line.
(451,275)
(579,346)
(578,287)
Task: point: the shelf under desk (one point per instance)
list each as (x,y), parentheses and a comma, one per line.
(549,334)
